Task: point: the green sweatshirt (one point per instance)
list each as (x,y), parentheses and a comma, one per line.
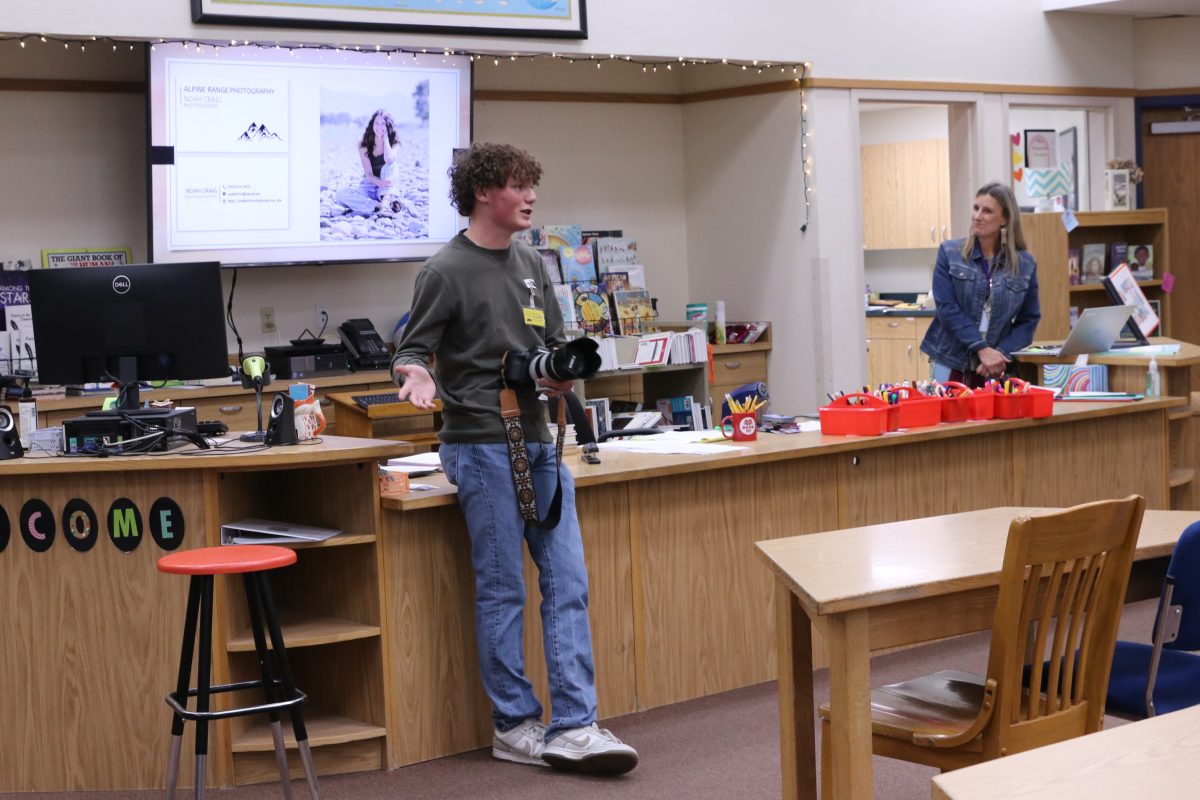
(468,310)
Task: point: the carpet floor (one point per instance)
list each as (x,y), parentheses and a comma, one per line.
(724,747)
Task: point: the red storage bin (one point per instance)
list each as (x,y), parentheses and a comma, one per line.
(985,404)
(870,417)
(959,405)
(916,410)
(1039,402)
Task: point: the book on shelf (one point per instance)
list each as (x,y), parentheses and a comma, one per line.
(679,410)
(1141,261)
(566,303)
(1117,255)
(557,236)
(689,347)
(613,252)
(654,349)
(1074,255)
(591,309)
(553,267)
(1094,258)
(634,313)
(577,265)
(615,282)
(1122,287)
(601,414)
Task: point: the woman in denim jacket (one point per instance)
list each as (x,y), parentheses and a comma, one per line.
(986,293)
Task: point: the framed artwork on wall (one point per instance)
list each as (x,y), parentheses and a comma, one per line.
(1041,149)
(564,19)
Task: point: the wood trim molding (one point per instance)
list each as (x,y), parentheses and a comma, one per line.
(59,85)
(574,97)
(986,88)
(790,85)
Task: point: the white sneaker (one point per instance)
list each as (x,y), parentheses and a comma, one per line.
(591,749)
(521,745)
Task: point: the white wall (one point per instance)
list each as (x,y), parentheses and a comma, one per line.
(819,274)
(1166,53)
(881,124)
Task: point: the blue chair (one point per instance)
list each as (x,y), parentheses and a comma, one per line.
(1150,679)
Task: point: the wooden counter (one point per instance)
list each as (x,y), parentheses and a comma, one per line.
(680,607)
(92,634)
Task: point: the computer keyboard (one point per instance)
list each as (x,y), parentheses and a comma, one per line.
(365,400)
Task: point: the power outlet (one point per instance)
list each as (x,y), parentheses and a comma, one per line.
(320,319)
(266,316)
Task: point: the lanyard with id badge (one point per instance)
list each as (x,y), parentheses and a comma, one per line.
(534,317)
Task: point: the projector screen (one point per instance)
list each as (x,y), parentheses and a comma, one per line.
(259,155)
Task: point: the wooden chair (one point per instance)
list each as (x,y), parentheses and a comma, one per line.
(1063,584)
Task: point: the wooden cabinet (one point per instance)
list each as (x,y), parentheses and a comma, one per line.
(894,349)
(229,403)
(906,194)
(735,365)
(1050,243)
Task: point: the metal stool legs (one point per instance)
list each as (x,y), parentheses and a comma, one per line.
(276,682)
(267,605)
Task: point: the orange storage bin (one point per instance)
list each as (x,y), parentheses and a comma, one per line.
(871,416)
(959,405)
(1023,401)
(916,410)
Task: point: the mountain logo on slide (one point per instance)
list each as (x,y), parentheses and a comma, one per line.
(258,133)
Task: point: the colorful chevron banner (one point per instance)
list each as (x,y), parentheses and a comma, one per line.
(1048,182)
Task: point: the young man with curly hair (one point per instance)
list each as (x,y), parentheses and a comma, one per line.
(479,297)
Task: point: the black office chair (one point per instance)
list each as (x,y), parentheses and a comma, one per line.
(1157,678)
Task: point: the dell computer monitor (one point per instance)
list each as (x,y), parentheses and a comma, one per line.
(140,322)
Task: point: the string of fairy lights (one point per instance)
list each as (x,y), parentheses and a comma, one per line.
(797,71)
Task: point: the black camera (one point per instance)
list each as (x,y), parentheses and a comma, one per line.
(575,360)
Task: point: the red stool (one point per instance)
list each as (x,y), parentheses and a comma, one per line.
(251,561)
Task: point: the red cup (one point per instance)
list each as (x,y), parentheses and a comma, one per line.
(744,427)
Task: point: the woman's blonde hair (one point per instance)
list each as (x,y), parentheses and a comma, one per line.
(1012,237)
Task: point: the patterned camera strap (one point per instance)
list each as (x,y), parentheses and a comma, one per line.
(518,456)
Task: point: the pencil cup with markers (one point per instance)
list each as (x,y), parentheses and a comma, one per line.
(742,420)
(959,403)
(857,414)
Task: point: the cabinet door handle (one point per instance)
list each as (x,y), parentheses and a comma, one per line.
(733,364)
(229,409)
(944,236)
(933,233)
(893,324)
(908,350)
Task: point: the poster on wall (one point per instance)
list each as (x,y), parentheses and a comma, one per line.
(564,19)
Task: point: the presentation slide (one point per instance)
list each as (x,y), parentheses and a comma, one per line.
(269,156)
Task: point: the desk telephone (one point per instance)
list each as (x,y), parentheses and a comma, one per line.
(367,350)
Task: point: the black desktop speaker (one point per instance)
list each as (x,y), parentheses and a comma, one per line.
(10,442)
(282,426)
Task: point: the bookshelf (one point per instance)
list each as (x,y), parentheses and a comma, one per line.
(1049,242)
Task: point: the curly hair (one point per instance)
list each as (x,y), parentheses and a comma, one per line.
(488,166)
(368,138)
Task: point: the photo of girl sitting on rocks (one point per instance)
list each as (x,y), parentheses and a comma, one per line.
(374,173)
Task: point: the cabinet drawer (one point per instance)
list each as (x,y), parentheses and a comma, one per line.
(239,412)
(740,368)
(891,327)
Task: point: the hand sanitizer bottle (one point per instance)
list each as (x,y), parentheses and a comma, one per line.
(1153,381)
(27,417)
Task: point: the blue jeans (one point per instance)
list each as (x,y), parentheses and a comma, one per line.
(483,475)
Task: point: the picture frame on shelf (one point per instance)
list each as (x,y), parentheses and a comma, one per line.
(1118,190)
(1041,148)
(561,19)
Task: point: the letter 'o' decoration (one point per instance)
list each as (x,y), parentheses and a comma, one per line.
(81,529)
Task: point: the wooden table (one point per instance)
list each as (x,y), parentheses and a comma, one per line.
(1158,757)
(881,586)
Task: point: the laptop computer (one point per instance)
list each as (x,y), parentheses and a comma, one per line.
(1096,331)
